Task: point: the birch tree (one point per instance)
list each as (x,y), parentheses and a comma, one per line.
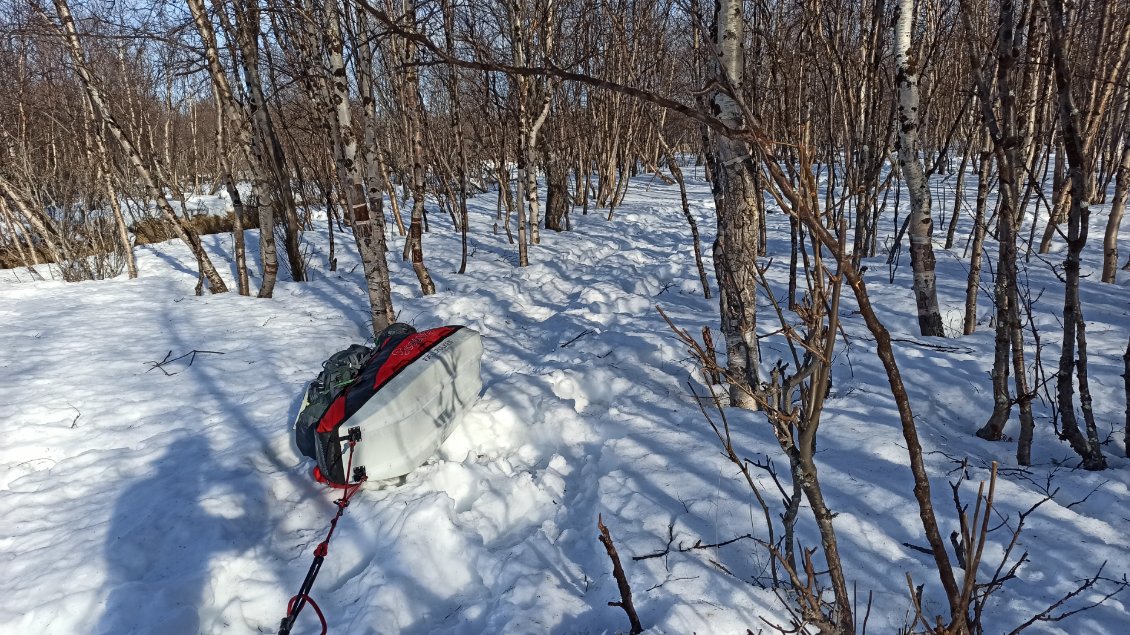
(368,224)
(238,122)
(531,113)
(1002,126)
(267,151)
(457,127)
(99,157)
(144,172)
(413,105)
(43,225)
(921,222)
(736,247)
(1108,57)
(1117,208)
(1073,353)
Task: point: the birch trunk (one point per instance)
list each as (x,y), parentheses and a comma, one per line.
(1112,54)
(393,202)
(120,227)
(1088,447)
(238,238)
(44,226)
(557,191)
(973,283)
(267,150)
(374,182)
(414,108)
(1117,207)
(959,193)
(102,171)
(531,174)
(921,223)
(518,55)
(238,122)
(735,249)
(28,260)
(1126,389)
(368,228)
(677,173)
(457,126)
(1008,339)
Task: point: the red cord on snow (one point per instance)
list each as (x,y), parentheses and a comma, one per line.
(314,605)
(302,598)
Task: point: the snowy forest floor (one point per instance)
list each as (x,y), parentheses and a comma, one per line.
(138,499)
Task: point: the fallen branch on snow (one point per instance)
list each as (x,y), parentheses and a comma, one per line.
(191,355)
(621,578)
(682,548)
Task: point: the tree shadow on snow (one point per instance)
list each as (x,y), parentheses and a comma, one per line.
(173,262)
(166,529)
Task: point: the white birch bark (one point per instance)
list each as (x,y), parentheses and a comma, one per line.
(518,56)
(239,244)
(413,106)
(274,181)
(17,231)
(530,149)
(546,12)
(120,228)
(457,127)
(368,229)
(735,250)
(359,34)
(921,223)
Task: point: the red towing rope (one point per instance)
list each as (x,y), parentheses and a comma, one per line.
(302,598)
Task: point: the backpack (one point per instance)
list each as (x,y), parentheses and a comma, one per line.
(338,374)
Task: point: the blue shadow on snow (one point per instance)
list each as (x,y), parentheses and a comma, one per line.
(161,540)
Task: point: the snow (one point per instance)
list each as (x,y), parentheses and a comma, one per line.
(146,499)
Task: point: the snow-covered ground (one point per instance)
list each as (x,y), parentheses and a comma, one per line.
(138,499)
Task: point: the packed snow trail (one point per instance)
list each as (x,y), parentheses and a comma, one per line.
(141,497)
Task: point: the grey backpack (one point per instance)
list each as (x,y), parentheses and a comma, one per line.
(338,372)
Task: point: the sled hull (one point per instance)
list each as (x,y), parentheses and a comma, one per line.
(411,414)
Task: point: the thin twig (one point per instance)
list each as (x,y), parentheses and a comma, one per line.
(191,355)
(579,336)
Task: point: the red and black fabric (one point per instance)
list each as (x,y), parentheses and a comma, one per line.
(396,349)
